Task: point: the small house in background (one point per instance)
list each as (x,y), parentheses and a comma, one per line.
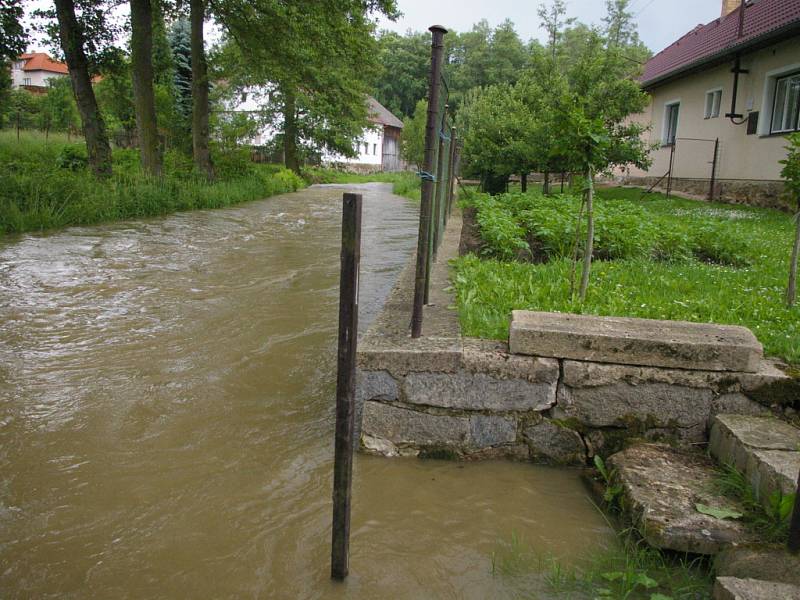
(723,97)
(379,147)
(32,71)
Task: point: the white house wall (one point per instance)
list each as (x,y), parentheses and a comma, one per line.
(37,78)
(741,156)
(370,150)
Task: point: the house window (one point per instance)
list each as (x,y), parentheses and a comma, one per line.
(713,101)
(671,112)
(366,148)
(26,81)
(786,104)
(375,149)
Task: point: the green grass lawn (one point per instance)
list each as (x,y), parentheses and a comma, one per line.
(47,185)
(656,258)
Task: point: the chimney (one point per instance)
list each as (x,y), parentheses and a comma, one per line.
(728,6)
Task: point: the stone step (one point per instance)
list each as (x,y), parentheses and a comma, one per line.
(661,488)
(629,341)
(734,588)
(765,449)
(768,562)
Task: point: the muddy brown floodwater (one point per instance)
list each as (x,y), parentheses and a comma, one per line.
(166,420)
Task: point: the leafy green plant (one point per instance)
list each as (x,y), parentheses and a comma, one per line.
(613,490)
(73,158)
(772,520)
(718,512)
(791,173)
(627,569)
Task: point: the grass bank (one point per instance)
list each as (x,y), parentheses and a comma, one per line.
(47,185)
(655,258)
(406,184)
(629,569)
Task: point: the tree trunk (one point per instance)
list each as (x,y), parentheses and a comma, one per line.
(546,184)
(142,75)
(290,130)
(523,182)
(587,255)
(200,106)
(94,128)
(791,290)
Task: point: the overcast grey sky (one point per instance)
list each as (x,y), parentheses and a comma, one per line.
(660,21)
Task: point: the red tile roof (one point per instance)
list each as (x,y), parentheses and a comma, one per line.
(39,61)
(379,114)
(763,20)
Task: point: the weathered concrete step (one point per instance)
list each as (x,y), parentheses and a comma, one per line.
(767,562)
(733,588)
(765,449)
(644,342)
(662,487)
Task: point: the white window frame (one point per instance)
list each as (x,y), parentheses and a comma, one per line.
(665,141)
(711,111)
(794,108)
(26,81)
(768,99)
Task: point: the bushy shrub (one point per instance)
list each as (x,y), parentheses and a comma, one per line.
(503,234)
(73,158)
(624,230)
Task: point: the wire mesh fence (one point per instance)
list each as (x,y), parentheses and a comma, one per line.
(437,173)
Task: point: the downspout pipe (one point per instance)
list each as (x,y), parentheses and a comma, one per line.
(737,70)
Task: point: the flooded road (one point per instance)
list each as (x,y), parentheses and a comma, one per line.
(166,420)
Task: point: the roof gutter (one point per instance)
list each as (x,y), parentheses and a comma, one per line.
(731,52)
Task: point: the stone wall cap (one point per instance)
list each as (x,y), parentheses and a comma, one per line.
(633,341)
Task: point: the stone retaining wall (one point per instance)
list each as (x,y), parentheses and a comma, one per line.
(766,194)
(444,395)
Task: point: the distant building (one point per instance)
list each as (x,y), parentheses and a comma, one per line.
(735,80)
(379,147)
(32,71)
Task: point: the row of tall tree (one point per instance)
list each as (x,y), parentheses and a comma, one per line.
(486,57)
(316,57)
(567,112)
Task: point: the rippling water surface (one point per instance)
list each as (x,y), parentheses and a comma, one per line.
(166,420)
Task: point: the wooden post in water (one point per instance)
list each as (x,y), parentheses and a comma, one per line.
(346,385)
(425,213)
(794,525)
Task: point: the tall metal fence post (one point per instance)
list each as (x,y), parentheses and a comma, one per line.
(451,173)
(671,164)
(346,385)
(431,128)
(441,183)
(713,171)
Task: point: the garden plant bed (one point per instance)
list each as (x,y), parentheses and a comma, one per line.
(655,258)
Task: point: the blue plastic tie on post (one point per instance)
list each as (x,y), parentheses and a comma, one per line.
(425,176)
(444,136)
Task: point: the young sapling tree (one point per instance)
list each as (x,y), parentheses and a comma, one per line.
(791,173)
